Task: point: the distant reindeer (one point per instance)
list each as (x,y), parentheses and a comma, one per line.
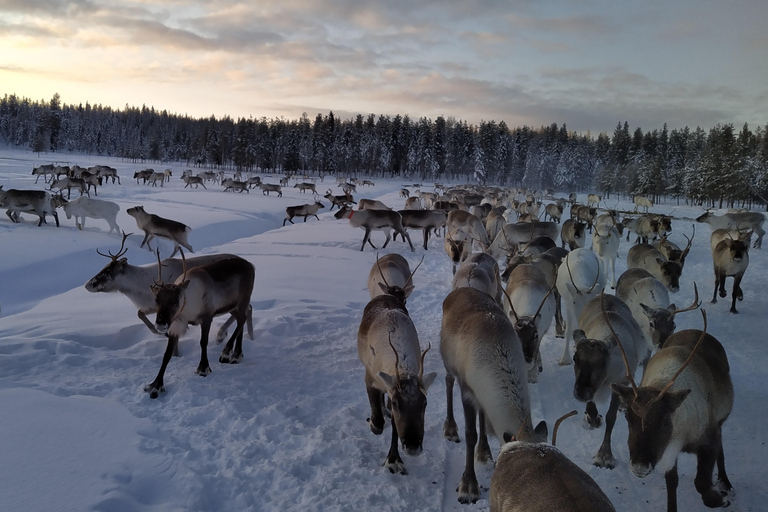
(730,258)
(375,220)
(38,202)
(154,225)
(739,221)
(83,207)
(304,210)
(196,297)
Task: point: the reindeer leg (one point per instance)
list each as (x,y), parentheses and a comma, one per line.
(722,477)
(450,430)
(376,399)
(671,478)
(393,462)
(236,340)
(483,452)
(204,368)
(736,293)
(156,386)
(706,457)
(604,457)
(469,490)
(717,284)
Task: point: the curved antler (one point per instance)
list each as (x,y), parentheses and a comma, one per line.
(397,357)
(511,307)
(120,252)
(621,347)
(695,303)
(687,361)
(421,361)
(410,276)
(544,300)
(381,272)
(557,425)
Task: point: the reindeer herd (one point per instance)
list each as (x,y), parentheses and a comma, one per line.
(493,322)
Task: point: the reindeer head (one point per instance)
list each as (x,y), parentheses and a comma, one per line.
(649,415)
(102,282)
(169,297)
(408,399)
(590,365)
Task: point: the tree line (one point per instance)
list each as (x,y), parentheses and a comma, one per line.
(717,168)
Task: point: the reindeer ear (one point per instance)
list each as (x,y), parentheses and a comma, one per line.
(184,285)
(579,336)
(624,392)
(389,381)
(508,438)
(428,379)
(648,311)
(383,287)
(671,307)
(676,398)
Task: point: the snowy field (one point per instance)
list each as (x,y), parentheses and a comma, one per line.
(285,429)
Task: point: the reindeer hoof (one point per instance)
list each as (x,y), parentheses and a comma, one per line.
(395,466)
(154,390)
(203,372)
(604,461)
(377,430)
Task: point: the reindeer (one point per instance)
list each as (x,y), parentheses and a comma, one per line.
(305,210)
(648,299)
(44,171)
(462,228)
(605,243)
(572,234)
(671,251)
(38,202)
(339,201)
(579,278)
(495,222)
(105,171)
(266,188)
(730,258)
(479,347)
(534,477)
(554,211)
(394,269)
(154,225)
(83,207)
(594,199)
(642,202)
(428,221)
(647,257)
(375,220)
(739,221)
(70,183)
(303,187)
(413,203)
(597,362)
(510,238)
(235,185)
(684,413)
(135,283)
(388,347)
(531,307)
(480,271)
(143,174)
(196,297)
(193,180)
(371,204)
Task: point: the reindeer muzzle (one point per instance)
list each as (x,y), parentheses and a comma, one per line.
(412,451)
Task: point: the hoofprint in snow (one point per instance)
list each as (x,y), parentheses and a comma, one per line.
(285,429)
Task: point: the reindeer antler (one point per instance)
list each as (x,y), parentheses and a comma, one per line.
(687,361)
(557,425)
(397,357)
(695,303)
(120,252)
(618,341)
(421,361)
(410,276)
(381,272)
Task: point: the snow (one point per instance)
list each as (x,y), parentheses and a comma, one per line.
(285,429)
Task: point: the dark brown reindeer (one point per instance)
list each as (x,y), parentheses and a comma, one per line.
(682,414)
(198,295)
(375,220)
(135,282)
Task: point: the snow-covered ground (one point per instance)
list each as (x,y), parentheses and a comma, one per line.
(285,429)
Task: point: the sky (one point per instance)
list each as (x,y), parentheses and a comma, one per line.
(285,429)
(589,64)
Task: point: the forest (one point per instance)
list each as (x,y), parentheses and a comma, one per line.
(721,167)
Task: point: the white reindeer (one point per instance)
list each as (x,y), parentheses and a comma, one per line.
(83,207)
